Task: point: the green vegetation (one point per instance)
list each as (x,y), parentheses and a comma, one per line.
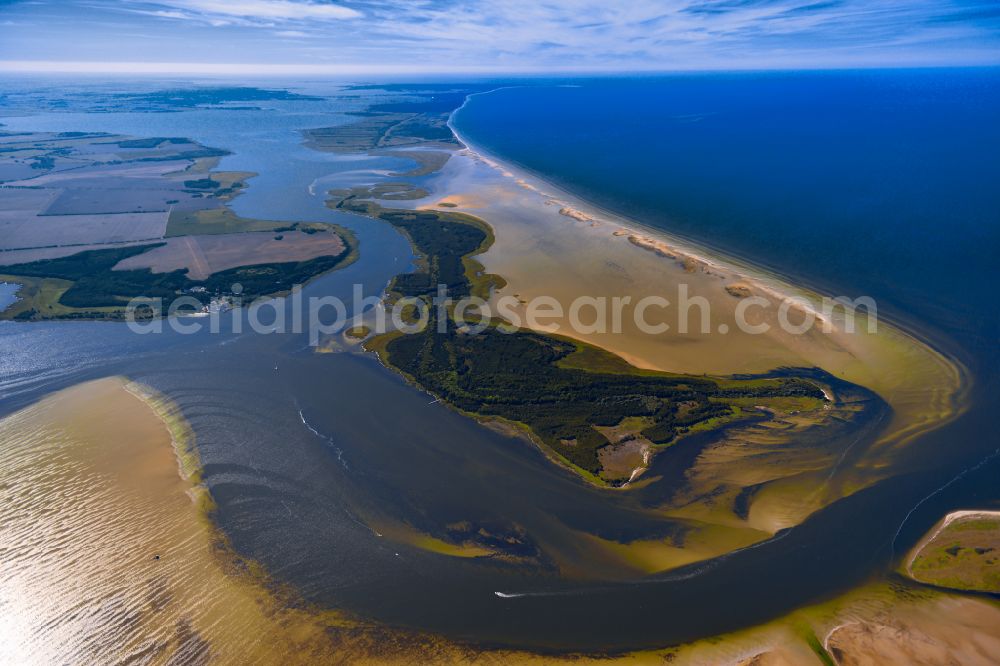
(358,332)
(364,134)
(965,555)
(150,142)
(386,191)
(183,98)
(443,244)
(222,185)
(428,161)
(222,220)
(378,129)
(307,228)
(84,284)
(38,298)
(562,391)
(201,184)
(815,644)
(215,221)
(447,242)
(94,284)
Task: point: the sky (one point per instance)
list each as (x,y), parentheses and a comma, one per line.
(491,36)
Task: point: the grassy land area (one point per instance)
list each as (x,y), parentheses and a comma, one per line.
(224,221)
(222,185)
(428,161)
(562,391)
(358,332)
(386,191)
(84,285)
(38,298)
(962,555)
(408,125)
(216,221)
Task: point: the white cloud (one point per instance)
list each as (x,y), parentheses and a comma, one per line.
(512,35)
(661,33)
(268,10)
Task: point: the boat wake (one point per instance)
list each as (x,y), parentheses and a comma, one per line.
(958,477)
(339,451)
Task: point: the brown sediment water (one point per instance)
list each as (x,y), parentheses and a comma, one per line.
(109,558)
(655,620)
(542,251)
(108,553)
(879,623)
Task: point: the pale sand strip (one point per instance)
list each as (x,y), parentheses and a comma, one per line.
(550,244)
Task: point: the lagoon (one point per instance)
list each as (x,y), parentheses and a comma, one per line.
(304,452)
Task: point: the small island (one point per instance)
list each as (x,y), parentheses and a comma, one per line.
(961,552)
(587,408)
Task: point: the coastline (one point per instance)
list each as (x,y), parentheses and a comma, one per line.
(771,279)
(757,644)
(111,535)
(555,245)
(178,237)
(956,553)
(678,247)
(184,594)
(925,385)
(749,482)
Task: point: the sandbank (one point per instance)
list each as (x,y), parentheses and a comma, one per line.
(549,243)
(109,553)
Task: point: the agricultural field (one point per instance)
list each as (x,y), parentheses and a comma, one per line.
(89,221)
(205,255)
(42,231)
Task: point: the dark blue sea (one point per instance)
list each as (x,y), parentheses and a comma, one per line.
(880,183)
(883,183)
(857,183)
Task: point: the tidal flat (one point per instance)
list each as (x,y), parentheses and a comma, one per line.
(543,242)
(106,513)
(452,543)
(549,244)
(109,551)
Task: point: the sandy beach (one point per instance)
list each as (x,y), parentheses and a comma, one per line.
(549,243)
